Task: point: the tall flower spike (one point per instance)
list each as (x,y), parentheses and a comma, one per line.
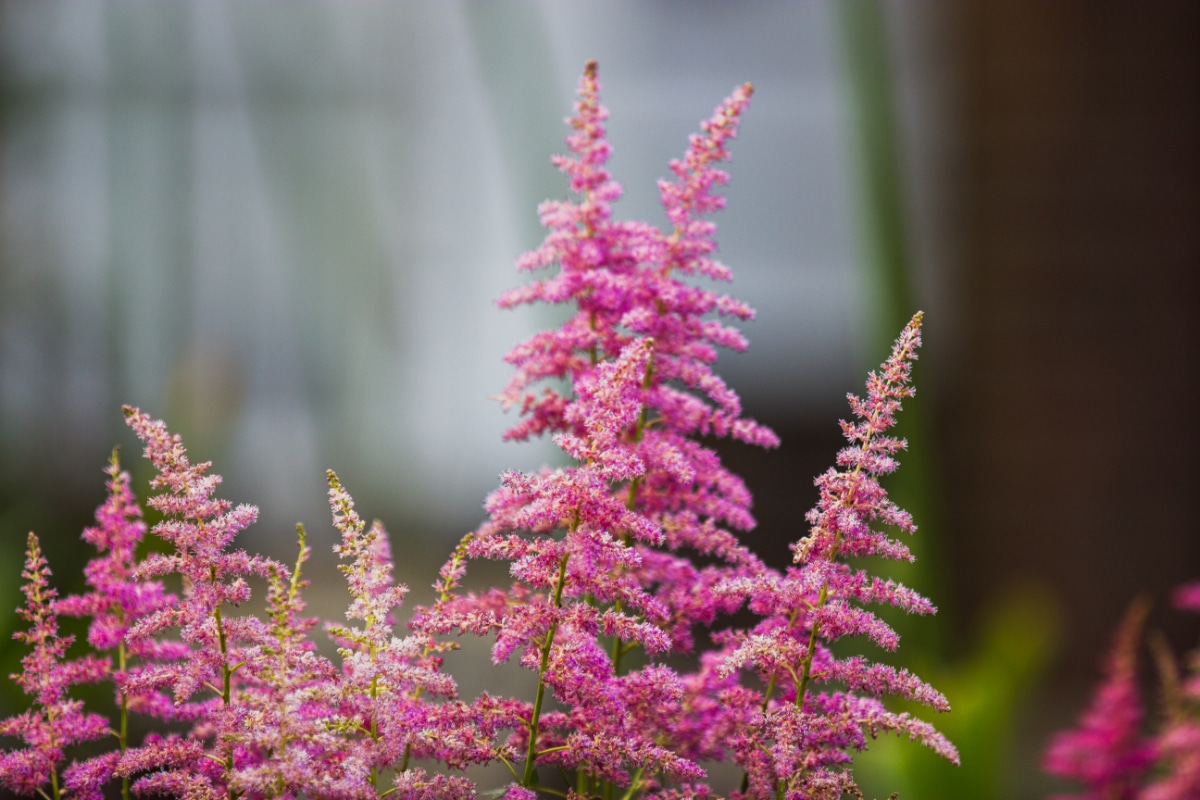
(598,262)
(618,527)
(200,527)
(1106,752)
(804,740)
(54,722)
(115,603)
(288,696)
(626,279)
(686,490)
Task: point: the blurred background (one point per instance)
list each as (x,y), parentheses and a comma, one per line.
(282,228)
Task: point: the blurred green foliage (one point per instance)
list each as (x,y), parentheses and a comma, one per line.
(989,691)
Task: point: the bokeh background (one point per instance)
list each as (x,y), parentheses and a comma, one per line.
(282,227)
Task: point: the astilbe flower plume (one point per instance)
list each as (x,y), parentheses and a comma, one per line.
(54,721)
(1107,752)
(201,528)
(631,387)
(800,742)
(117,600)
(626,280)
(286,698)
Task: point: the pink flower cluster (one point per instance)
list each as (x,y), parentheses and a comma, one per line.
(1109,752)
(622,564)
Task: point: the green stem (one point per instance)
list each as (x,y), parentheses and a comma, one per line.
(123,730)
(806,667)
(226,679)
(634,784)
(618,646)
(531,752)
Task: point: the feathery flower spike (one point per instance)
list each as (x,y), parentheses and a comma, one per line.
(1106,752)
(54,721)
(803,740)
(201,528)
(388,685)
(288,695)
(115,603)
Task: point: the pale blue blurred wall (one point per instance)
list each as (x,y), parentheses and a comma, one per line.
(282,226)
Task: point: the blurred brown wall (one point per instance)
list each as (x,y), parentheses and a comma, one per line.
(1071,434)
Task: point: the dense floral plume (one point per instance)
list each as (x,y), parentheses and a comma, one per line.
(626,281)
(202,686)
(387,683)
(1109,752)
(116,602)
(790,738)
(285,699)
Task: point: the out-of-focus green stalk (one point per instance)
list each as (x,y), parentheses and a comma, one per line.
(884,251)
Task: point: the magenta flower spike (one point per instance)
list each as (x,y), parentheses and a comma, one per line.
(1106,752)
(201,528)
(288,695)
(55,721)
(802,740)
(620,529)
(116,602)
(627,280)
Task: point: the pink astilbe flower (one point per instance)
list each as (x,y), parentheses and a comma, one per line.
(115,603)
(626,280)
(201,528)
(802,741)
(1106,752)
(631,387)
(54,721)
